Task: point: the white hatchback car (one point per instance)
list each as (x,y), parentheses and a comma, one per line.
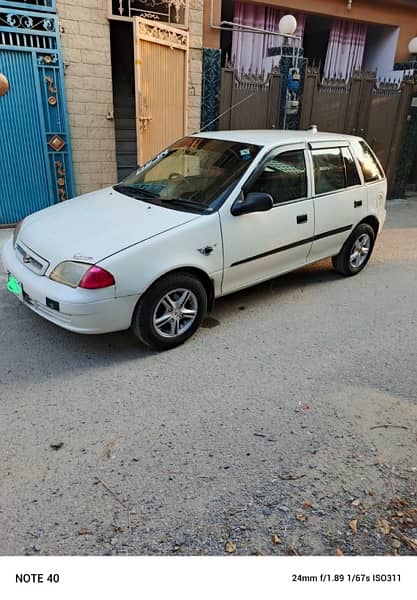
(212,214)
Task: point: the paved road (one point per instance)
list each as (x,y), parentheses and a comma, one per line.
(295,415)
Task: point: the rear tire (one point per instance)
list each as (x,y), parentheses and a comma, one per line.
(356,251)
(170,312)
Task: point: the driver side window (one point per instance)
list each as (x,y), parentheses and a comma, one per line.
(284,177)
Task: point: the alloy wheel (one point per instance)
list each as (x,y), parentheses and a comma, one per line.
(360,251)
(175,313)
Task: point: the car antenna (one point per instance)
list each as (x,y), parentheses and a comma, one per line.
(223,113)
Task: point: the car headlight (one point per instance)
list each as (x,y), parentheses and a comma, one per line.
(16,232)
(69,273)
(84,275)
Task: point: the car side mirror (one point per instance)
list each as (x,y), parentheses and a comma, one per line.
(253,202)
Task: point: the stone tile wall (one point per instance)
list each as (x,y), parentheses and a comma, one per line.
(195,23)
(85,40)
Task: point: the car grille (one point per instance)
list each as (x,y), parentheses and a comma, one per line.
(31,260)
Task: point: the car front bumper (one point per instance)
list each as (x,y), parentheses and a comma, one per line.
(81,311)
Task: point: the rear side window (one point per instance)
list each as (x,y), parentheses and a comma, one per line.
(329,170)
(334,169)
(351,172)
(369,165)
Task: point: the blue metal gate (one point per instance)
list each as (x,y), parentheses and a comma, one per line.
(35,151)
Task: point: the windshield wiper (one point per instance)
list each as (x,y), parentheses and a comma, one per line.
(135,192)
(183,202)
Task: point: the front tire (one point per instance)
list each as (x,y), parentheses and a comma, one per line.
(356,251)
(170,312)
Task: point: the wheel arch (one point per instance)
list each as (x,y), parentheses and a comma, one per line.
(372,221)
(205,279)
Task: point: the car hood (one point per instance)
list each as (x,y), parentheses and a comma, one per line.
(94,226)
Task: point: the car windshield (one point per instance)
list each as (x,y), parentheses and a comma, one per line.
(192,174)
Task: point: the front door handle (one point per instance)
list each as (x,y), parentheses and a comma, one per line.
(358,203)
(302,219)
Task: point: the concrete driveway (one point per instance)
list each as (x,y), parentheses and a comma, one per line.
(287,425)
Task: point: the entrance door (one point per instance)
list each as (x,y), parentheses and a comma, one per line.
(161,73)
(35,161)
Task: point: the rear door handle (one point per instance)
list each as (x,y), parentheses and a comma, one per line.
(358,203)
(302,219)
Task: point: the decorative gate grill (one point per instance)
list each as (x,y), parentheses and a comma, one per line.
(174,12)
(35,157)
(376,111)
(364,106)
(249,101)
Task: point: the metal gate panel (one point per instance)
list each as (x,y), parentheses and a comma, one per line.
(35,154)
(23,165)
(249,101)
(161,73)
(382,120)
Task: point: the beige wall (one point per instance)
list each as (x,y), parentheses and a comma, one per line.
(85,42)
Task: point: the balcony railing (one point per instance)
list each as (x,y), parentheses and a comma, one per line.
(173,12)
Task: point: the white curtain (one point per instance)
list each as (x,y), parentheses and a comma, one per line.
(345,49)
(249,49)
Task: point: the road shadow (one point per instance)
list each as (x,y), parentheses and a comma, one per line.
(32,348)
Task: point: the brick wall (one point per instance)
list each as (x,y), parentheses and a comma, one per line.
(85,42)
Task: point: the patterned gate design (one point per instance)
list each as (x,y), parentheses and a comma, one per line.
(366,107)
(161,74)
(249,101)
(35,154)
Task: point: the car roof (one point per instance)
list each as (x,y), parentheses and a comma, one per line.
(274,137)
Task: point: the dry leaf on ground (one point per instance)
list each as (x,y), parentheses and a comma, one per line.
(230,547)
(383,526)
(356,502)
(339,552)
(353,524)
(276,539)
(409,542)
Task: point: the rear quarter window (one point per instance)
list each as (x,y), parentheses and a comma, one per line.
(368,163)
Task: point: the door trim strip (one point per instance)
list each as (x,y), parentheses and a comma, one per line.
(314,238)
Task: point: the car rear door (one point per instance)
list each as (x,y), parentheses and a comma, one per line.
(259,246)
(340,198)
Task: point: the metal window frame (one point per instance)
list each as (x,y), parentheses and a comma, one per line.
(112,17)
(30,5)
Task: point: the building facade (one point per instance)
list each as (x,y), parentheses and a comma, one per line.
(124,80)
(339,35)
(104,94)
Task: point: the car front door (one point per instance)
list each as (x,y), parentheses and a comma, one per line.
(261,245)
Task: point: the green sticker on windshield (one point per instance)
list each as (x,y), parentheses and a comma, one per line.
(14,286)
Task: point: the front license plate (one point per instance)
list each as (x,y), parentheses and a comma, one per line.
(14,286)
